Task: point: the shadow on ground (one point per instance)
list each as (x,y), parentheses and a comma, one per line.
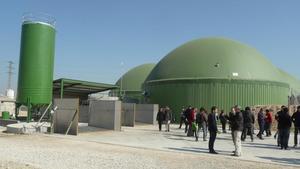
(261,145)
(292,161)
(198,150)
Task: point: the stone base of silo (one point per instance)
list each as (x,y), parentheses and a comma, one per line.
(27,128)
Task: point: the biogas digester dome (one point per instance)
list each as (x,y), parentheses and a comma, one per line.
(131,83)
(215,71)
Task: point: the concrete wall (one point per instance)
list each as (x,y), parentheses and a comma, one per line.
(105,114)
(64,114)
(84,114)
(146,113)
(7,106)
(128,114)
(7,122)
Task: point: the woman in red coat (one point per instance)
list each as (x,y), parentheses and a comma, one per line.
(191,119)
(268,122)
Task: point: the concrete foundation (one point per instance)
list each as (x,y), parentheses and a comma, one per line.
(146,113)
(7,122)
(28,128)
(105,114)
(68,110)
(128,114)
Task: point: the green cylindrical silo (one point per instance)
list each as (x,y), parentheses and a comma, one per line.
(36,63)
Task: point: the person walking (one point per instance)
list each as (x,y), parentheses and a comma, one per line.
(268,123)
(237,128)
(249,120)
(213,129)
(182,117)
(296,121)
(191,119)
(201,121)
(186,115)
(261,123)
(284,125)
(277,134)
(160,118)
(223,120)
(168,118)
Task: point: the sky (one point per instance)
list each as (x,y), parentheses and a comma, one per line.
(99,40)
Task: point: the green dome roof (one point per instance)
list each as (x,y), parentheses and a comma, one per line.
(291,80)
(134,78)
(218,58)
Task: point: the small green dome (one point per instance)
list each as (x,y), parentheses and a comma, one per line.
(215,58)
(134,78)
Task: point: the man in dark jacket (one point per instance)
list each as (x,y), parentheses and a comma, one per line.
(284,125)
(223,119)
(261,123)
(160,118)
(276,118)
(182,117)
(296,121)
(237,128)
(212,128)
(249,120)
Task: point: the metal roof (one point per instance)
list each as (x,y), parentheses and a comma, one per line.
(71,86)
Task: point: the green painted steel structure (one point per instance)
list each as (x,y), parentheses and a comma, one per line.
(36,63)
(221,92)
(215,71)
(130,84)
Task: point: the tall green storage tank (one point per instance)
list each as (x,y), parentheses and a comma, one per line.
(36,62)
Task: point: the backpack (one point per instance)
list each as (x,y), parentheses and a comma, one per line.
(247,117)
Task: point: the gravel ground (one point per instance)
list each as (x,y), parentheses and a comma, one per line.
(39,151)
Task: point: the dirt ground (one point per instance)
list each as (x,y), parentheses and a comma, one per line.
(41,151)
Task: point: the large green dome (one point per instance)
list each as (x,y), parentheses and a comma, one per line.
(215,58)
(134,78)
(291,80)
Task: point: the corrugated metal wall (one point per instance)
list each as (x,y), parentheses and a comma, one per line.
(222,93)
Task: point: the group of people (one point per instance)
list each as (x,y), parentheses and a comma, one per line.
(284,124)
(165,116)
(241,123)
